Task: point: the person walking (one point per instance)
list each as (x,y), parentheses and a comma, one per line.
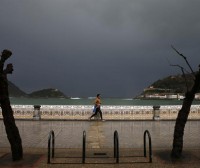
(97,107)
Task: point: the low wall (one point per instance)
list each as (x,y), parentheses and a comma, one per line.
(82,112)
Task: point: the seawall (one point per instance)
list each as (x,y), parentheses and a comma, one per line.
(82,112)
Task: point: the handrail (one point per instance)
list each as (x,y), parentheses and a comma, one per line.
(150,147)
(83,150)
(51,139)
(116,146)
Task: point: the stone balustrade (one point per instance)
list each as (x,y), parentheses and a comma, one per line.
(82,112)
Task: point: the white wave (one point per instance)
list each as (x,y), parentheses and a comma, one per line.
(127,99)
(75,98)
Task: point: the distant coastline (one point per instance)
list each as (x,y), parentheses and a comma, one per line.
(169,88)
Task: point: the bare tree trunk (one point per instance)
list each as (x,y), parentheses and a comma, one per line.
(8,118)
(182,118)
(12,131)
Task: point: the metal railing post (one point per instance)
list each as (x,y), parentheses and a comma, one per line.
(150,147)
(116,146)
(83,150)
(51,139)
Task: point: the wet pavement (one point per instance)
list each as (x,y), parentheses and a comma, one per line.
(99,140)
(69,134)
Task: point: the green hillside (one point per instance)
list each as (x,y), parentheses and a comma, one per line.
(171,84)
(47,93)
(14,91)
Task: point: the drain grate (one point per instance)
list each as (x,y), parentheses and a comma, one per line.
(101,153)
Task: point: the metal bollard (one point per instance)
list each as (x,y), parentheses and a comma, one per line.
(36,112)
(156,112)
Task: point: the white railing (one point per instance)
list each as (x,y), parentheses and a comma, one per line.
(82,112)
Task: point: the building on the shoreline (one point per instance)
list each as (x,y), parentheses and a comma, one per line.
(197,96)
(159,93)
(163,96)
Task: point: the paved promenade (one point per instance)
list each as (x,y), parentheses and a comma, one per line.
(99,144)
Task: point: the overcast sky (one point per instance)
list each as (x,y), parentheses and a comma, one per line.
(84,47)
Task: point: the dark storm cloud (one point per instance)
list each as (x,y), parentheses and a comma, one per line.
(116,47)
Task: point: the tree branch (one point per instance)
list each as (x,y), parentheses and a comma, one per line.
(182,69)
(9,69)
(184,57)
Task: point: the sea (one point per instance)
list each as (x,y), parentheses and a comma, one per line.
(90,101)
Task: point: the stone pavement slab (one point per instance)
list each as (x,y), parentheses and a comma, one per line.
(69,134)
(29,160)
(37,158)
(99,147)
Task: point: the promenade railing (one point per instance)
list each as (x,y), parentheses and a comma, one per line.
(82,112)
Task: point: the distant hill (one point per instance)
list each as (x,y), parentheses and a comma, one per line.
(170,84)
(48,93)
(14,91)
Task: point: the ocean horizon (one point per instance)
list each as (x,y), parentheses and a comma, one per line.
(90,101)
